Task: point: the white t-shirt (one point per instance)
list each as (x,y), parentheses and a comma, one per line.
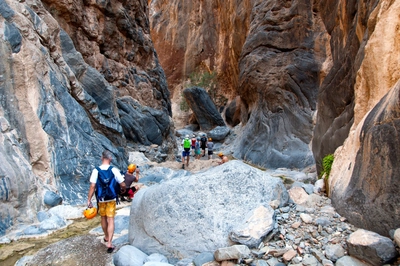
(118,176)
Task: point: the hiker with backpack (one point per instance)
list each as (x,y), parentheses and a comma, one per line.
(193,145)
(186,151)
(106,181)
(203,144)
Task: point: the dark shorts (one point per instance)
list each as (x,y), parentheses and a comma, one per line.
(210,152)
(203,147)
(186,152)
(193,147)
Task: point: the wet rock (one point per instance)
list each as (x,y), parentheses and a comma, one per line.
(257,224)
(371,247)
(207,115)
(180,221)
(232,252)
(334,252)
(203,258)
(219,133)
(52,199)
(129,256)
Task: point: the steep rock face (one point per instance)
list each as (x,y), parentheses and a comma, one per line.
(209,35)
(281,66)
(364,180)
(114,38)
(347,24)
(57,113)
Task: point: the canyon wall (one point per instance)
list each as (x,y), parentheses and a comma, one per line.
(364,181)
(195,36)
(64,100)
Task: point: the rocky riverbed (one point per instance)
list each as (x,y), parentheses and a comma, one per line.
(300,229)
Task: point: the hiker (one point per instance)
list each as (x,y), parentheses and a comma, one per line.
(132,175)
(193,145)
(197,149)
(203,144)
(103,181)
(186,151)
(210,147)
(223,158)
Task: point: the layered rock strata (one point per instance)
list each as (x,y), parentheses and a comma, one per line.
(282,64)
(58,113)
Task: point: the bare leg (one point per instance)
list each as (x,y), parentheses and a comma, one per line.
(104,227)
(110,230)
(187,160)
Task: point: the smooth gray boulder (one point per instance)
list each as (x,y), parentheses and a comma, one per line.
(129,256)
(156,257)
(156,263)
(161,174)
(51,198)
(371,247)
(219,133)
(334,252)
(203,258)
(195,214)
(257,224)
(350,261)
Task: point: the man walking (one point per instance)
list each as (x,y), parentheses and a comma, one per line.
(102,181)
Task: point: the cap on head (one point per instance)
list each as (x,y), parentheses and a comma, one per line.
(209,139)
(194,135)
(204,135)
(221,154)
(187,136)
(106,155)
(131,168)
(198,138)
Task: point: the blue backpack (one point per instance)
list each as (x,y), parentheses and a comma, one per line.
(107,187)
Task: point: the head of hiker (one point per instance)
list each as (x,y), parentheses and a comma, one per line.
(106,181)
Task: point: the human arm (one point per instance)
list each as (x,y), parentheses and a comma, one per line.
(120,179)
(137,174)
(90,194)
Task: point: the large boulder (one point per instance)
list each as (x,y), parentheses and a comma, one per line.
(219,133)
(371,247)
(196,213)
(207,115)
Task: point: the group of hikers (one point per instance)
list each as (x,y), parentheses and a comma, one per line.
(196,147)
(109,185)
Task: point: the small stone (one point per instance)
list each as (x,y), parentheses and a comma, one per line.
(326,262)
(285,209)
(256,263)
(297,260)
(309,260)
(230,263)
(289,255)
(285,216)
(232,252)
(265,250)
(342,219)
(323,221)
(203,258)
(275,204)
(334,252)
(318,254)
(397,237)
(296,225)
(306,218)
(300,208)
(272,261)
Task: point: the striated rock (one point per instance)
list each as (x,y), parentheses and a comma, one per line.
(280,70)
(257,224)
(204,110)
(129,256)
(232,252)
(180,221)
(371,247)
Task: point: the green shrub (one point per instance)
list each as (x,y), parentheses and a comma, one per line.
(183,105)
(327,162)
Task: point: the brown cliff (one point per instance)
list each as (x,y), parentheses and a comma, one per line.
(192,36)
